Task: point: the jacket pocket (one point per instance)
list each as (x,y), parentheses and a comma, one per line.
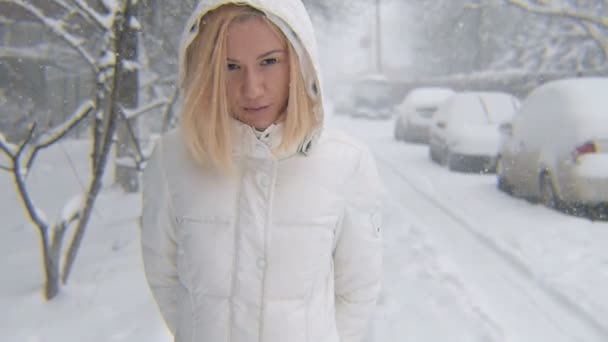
(205,251)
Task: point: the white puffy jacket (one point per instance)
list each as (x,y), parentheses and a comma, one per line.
(288,250)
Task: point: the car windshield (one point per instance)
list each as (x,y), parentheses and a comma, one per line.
(426,112)
(483,109)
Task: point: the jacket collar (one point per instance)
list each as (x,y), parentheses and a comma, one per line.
(265,144)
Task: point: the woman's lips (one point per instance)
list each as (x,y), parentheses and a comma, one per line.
(256,109)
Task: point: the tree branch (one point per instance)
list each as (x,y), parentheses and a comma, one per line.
(597,36)
(168,118)
(139,156)
(561,12)
(6,147)
(132,114)
(59,132)
(34,214)
(19,175)
(110,129)
(91,14)
(57,29)
(25,142)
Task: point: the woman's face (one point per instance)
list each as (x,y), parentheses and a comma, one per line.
(257,73)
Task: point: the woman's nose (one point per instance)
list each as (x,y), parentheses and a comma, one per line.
(253,86)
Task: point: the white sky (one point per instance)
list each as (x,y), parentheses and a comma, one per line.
(340,43)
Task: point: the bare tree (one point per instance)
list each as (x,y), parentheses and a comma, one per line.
(578,23)
(77,23)
(21,159)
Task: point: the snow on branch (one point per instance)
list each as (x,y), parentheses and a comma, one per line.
(597,36)
(7,147)
(129,65)
(72,208)
(58,132)
(560,11)
(104,22)
(61,130)
(134,24)
(139,157)
(133,113)
(56,27)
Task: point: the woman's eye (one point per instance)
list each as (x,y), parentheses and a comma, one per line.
(232,66)
(269,61)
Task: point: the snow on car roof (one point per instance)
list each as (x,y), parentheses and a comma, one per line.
(428,96)
(374,77)
(590,93)
(583,98)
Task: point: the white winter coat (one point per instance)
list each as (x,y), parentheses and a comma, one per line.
(288,250)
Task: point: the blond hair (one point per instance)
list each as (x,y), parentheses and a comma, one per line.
(205,116)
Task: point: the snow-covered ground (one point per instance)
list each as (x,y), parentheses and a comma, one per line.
(463,261)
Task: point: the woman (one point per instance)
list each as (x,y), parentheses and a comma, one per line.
(257,227)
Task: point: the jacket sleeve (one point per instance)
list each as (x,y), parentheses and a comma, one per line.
(358,253)
(158,240)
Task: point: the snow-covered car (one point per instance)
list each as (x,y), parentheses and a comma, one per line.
(373,97)
(464,133)
(556,149)
(415,113)
(341,98)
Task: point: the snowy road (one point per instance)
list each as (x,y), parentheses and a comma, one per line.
(449,279)
(463,261)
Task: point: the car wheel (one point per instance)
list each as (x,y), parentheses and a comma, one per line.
(501,181)
(547,191)
(450,161)
(455,162)
(599,212)
(445,157)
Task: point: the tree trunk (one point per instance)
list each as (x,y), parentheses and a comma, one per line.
(105,145)
(127,174)
(51,268)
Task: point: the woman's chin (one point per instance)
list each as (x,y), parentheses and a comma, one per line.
(256,122)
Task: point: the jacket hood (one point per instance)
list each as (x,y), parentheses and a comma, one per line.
(291,17)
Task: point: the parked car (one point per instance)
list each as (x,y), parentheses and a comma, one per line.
(373,97)
(415,113)
(556,149)
(341,98)
(464,132)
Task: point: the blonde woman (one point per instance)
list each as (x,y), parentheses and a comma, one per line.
(257,225)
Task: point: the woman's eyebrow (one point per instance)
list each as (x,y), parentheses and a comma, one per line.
(270,53)
(264,55)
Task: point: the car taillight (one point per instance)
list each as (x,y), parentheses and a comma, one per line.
(586,148)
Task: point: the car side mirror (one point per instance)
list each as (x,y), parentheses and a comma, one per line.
(506,128)
(441,124)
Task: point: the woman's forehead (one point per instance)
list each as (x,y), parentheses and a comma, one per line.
(255,34)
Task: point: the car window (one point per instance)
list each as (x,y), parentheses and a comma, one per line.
(426,112)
